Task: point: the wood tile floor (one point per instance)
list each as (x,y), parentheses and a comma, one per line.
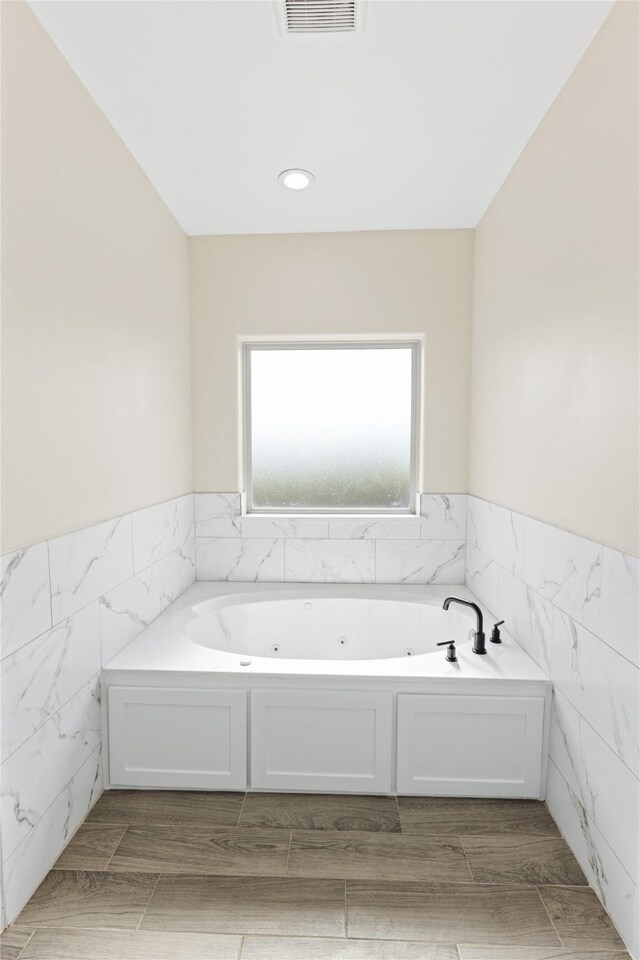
(162,875)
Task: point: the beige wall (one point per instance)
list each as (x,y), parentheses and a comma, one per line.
(96,398)
(96,405)
(554,404)
(332,284)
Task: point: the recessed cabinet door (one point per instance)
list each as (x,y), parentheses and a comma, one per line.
(332,740)
(194,739)
(464,746)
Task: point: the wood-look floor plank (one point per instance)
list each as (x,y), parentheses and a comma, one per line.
(249,905)
(145,807)
(13,940)
(91,848)
(103,887)
(84,898)
(462,816)
(129,945)
(204,851)
(523,859)
(580,918)
(300,811)
(538,953)
(447,912)
(376,856)
(307,948)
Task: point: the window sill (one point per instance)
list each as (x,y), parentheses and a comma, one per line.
(347,515)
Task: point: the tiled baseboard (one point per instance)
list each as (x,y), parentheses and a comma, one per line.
(69,605)
(425,549)
(573,605)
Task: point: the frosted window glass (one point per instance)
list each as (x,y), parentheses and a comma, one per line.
(331,428)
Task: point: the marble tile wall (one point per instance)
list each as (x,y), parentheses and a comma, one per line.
(69,606)
(574,607)
(425,549)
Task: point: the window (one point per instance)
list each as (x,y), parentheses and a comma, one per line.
(331,427)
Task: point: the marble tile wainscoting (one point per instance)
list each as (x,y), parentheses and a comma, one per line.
(69,605)
(573,605)
(425,549)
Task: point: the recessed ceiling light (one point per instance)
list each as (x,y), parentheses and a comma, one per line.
(296,179)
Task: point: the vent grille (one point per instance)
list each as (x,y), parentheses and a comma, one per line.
(320,16)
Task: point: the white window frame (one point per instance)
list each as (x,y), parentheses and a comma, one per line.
(250,346)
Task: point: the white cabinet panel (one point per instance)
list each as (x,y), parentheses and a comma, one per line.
(470,746)
(192,739)
(315,740)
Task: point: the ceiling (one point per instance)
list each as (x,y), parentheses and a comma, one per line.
(411,123)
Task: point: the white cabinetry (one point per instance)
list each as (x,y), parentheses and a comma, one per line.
(331,740)
(470,746)
(327,740)
(194,739)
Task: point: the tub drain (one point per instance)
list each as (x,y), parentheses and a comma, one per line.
(409,652)
(275,648)
(343,641)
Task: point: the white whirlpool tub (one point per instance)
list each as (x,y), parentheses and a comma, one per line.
(326,688)
(322,625)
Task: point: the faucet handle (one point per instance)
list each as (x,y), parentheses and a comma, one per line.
(495,633)
(451,651)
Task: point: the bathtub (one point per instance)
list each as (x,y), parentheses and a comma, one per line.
(327,688)
(324,624)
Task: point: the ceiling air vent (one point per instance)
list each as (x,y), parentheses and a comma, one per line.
(320,16)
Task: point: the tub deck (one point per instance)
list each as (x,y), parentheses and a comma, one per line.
(164,647)
(180,714)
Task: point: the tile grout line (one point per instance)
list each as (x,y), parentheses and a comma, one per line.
(286,869)
(84,683)
(546,600)
(557,690)
(116,521)
(96,750)
(346,913)
(116,848)
(96,599)
(244,800)
(121,583)
(155,887)
(592,822)
(25,945)
(537,889)
(395,797)
(466,860)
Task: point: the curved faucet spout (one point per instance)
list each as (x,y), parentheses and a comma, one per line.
(478,637)
(466,603)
